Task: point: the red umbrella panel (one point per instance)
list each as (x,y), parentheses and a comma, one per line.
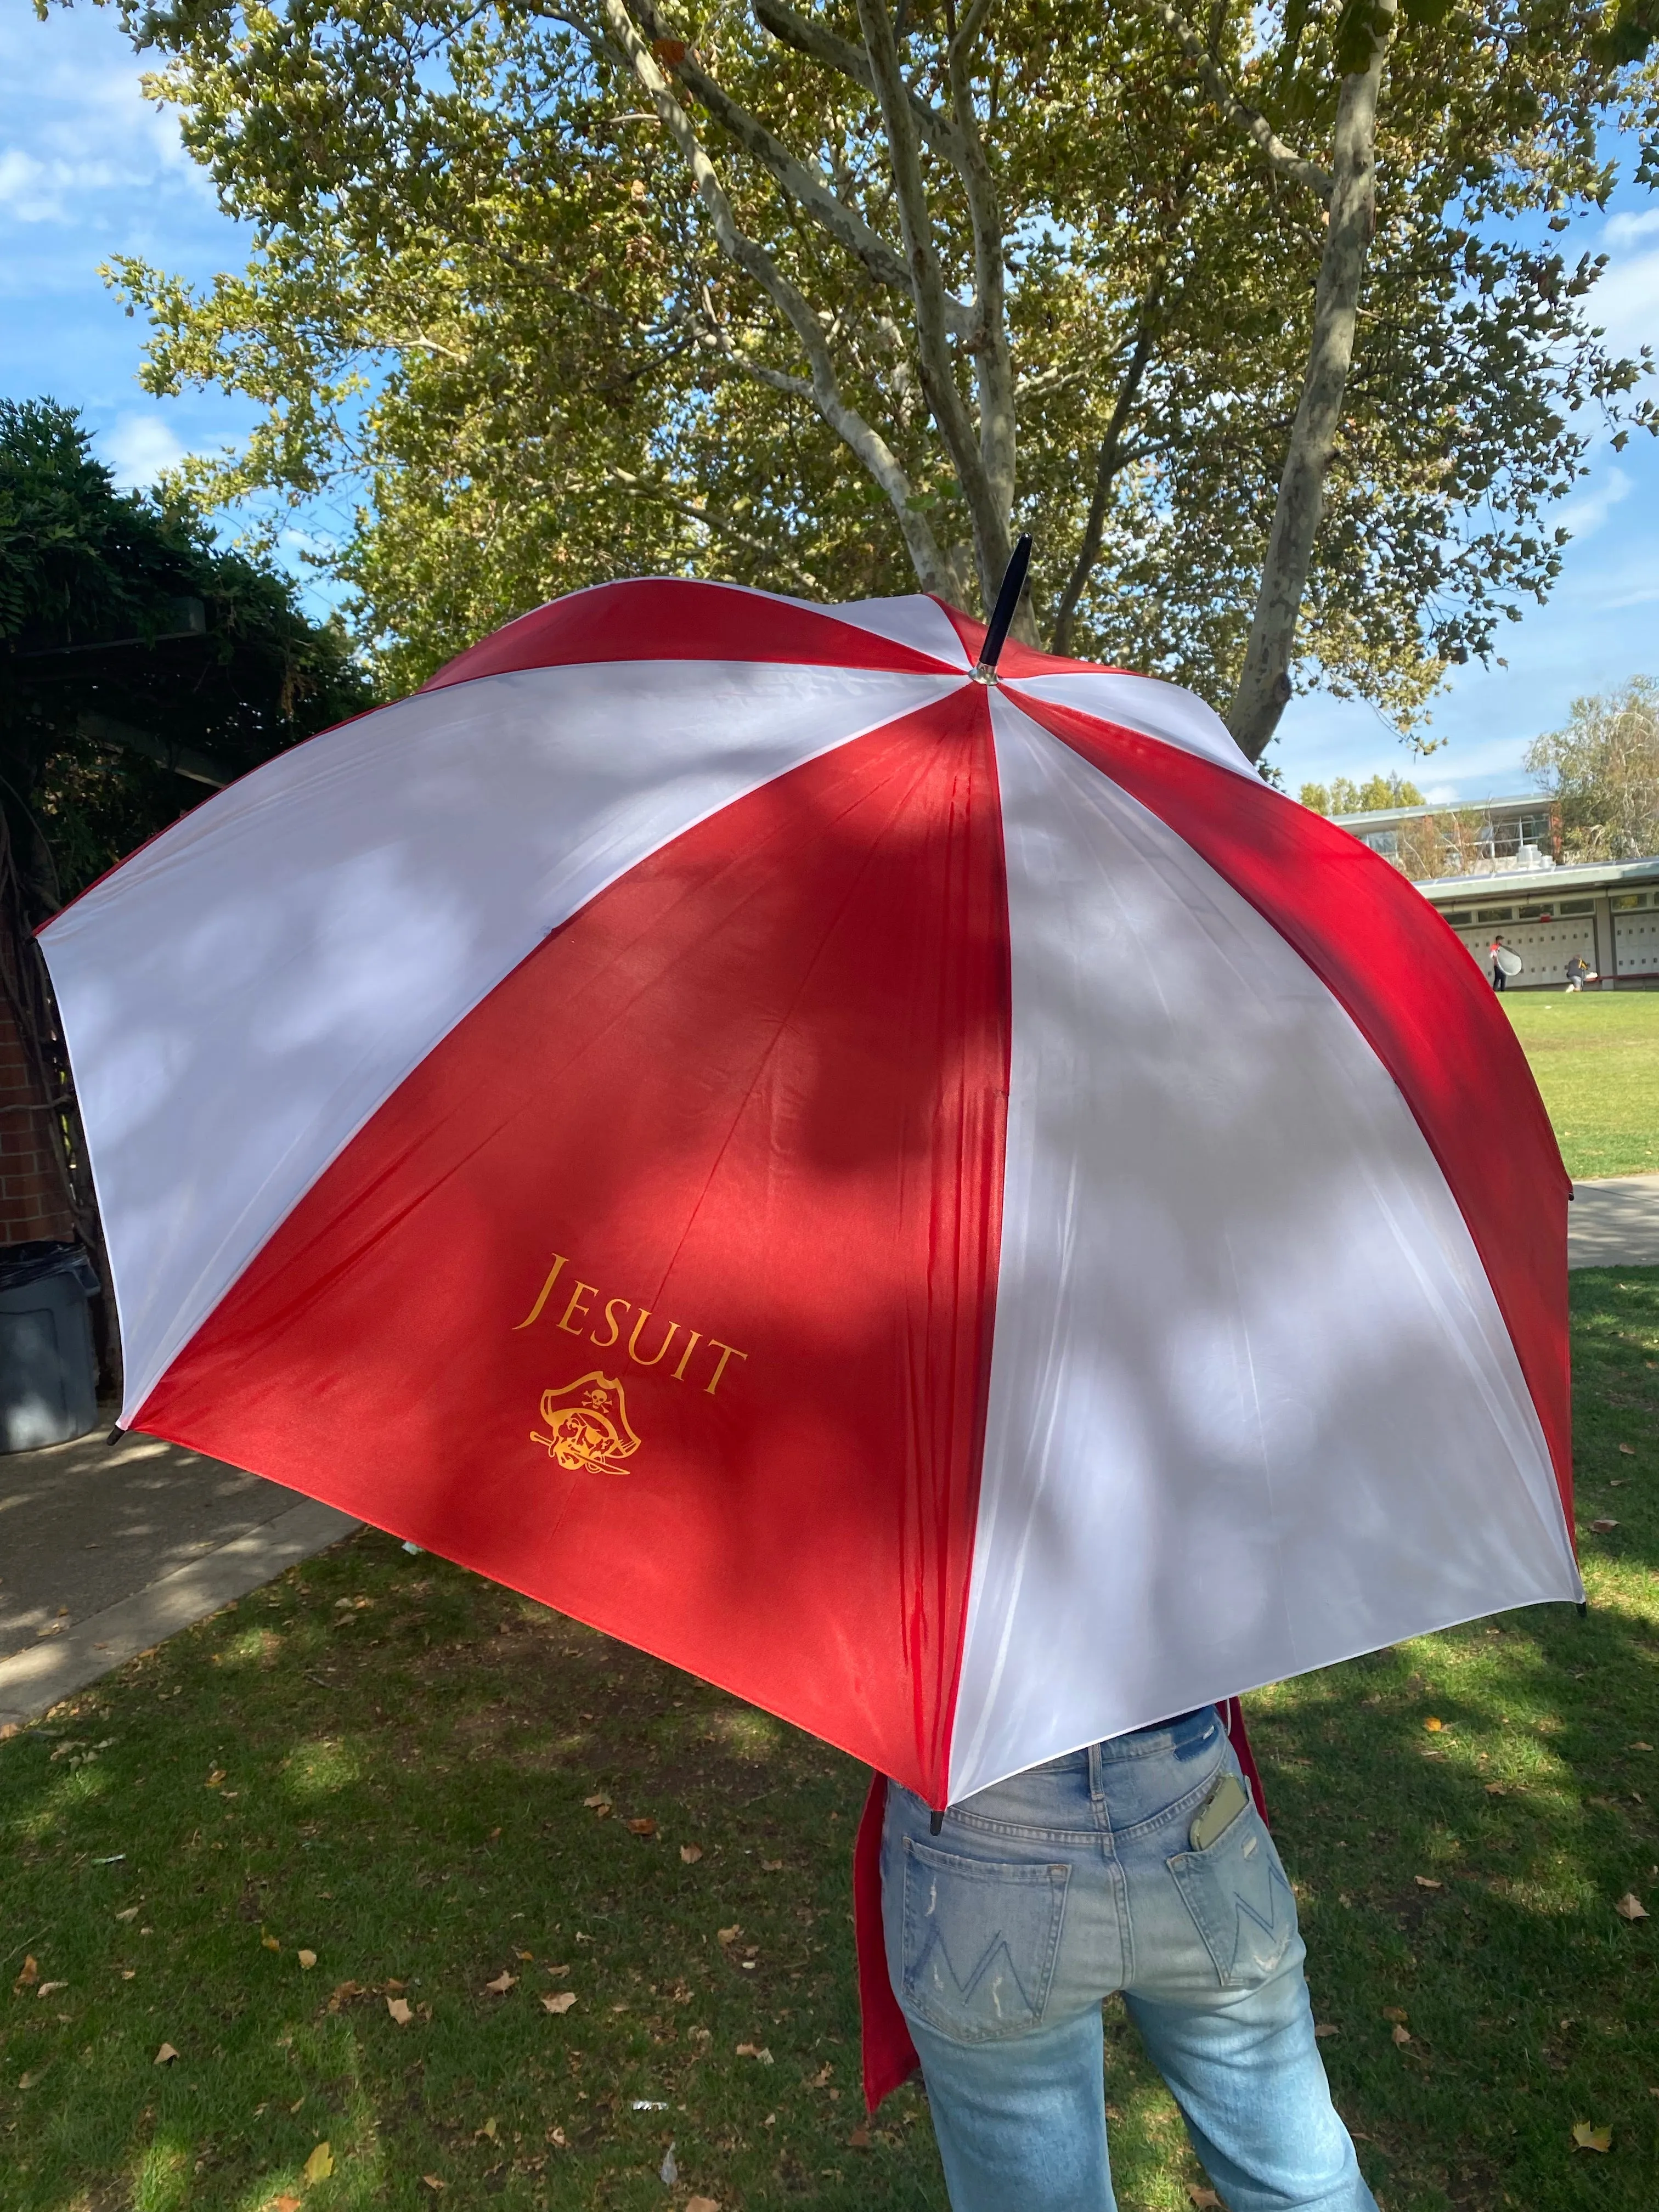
(952,1211)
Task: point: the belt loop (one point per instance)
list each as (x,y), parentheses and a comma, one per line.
(1096,1787)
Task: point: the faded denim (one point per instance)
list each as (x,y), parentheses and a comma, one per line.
(1041,1896)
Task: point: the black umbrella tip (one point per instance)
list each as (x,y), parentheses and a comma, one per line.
(1013,583)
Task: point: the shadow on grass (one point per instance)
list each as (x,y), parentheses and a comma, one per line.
(428,1784)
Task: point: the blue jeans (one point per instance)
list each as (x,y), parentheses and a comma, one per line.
(1041,1896)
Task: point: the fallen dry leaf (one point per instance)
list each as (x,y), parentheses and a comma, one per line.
(283,2203)
(432,2182)
(400,2009)
(131,1911)
(165,2055)
(859,2140)
(556,1970)
(702,2204)
(1324,2027)
(755,2050)
(270,1943)
(529,1956)
(1630,1907)
(771,1866)
(1638,1745)
(215,1779)
(562,2002)
(502,1983)
(307,1960)
(46,1988)
(1204,2199)
(318,2166)
(1433,1725)
(1427,1881)
(1585,2138)
(690,1853)
(643,1828)
(730,1935)
(1498,1790)
(1400,2032)
(1396,2012)
(1603,1525)
(598,1799)
(28,1973)
(1629,1450)
(487,2129)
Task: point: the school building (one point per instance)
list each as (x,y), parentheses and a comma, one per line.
(1507,880)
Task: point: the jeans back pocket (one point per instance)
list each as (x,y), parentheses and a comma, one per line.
(980,1939)
(1240,1902)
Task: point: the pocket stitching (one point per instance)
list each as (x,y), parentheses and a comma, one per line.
(1184,1862)
(1055,1879)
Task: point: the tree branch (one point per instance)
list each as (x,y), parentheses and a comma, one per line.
(871,448)
(990,521)
(994,369)
(1264,682)
(840,54)
(1111,460)
(807,186)
(712,519)
(1283,160)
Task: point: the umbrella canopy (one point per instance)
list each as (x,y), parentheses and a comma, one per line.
(951,1210)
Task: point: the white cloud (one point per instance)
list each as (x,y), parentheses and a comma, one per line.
(1626,301)
(138,447)
(1621,229)
(29,191)
(1586,511)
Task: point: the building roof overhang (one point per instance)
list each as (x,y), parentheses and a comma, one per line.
(1512,884)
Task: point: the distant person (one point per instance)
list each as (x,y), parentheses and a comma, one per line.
(1579,970)
(1499,976)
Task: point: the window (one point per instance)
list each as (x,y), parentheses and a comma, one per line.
(1576,906)
(1625,902)
(1496,913)
(1535,829)
(1386,841)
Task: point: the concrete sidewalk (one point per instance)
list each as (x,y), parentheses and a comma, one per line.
(1614,1222)
(106,1550)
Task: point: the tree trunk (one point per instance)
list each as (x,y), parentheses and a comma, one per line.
(1264,684)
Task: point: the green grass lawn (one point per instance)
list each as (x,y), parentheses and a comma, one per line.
(1595,1055)
(385,1763)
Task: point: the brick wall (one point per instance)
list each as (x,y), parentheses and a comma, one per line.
(32,1203)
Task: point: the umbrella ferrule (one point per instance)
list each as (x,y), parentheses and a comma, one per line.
(1013,583)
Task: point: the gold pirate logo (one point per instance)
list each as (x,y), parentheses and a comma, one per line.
(588,1427)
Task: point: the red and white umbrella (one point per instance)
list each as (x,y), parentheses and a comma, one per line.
(950,1209)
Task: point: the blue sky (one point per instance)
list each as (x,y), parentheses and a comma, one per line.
(87,169)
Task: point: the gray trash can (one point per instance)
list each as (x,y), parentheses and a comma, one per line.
(48,1371)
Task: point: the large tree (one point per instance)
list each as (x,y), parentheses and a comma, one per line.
(140,667)
(1258,320)
(1603,769)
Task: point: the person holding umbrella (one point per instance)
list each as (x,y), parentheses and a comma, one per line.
(1141,1866)
(915,1188)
